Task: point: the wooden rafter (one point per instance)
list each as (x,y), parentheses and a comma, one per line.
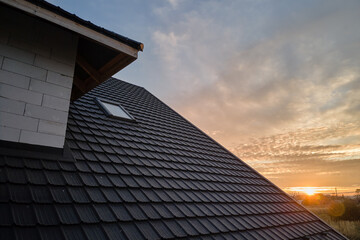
(111,67)
(94,74)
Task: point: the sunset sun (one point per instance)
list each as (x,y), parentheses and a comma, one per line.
(309,191)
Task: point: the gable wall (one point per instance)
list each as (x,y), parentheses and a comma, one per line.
(37,62)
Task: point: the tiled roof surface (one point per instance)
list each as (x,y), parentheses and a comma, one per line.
(156,178)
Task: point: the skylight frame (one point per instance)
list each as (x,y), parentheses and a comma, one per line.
(101,101)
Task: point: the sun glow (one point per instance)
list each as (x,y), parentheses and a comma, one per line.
(309,191)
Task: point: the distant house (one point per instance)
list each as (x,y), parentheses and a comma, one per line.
(87,156)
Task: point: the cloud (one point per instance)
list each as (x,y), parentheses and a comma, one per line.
(275,82)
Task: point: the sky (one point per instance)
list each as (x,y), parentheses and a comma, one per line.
(275,82)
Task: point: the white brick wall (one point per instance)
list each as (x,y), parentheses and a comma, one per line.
(37,62)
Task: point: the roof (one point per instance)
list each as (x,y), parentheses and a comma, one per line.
(57,10)
(159,177)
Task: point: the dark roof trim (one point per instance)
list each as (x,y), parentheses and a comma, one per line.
(16,149)
(57,10)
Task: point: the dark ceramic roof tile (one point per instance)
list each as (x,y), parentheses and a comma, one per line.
(147,230)
(125,195)
(175,210)
(72,179)
(73,232)
(86,213)
(96,167)
(23,214)
(231,224)
(222,228)
(14,162)
(150,212)
(55,178)
(89,156)
(67,214)
(103,180)
(162,229)
(111,195)
(4,193)
(129,181)
(185,210)
(67,166)
(188,227)
(132,231)
(163,195)
(36,177)
(79,195)
(139,195)
(135,211)
(46,214)
(163,211)
(20,193)
(133,170)
(88,179)
(198,226)
(150,193)
(60,194)
(96,195)
(51,233)
(116,181)
(93,232)
(82,166)
(120,212)
(104,212)
(50,165)
(6,217)
(16,175)
(209,226)
(113,231)
(33,164)
(122,169)
(26,233)
(109,168)
(175,228)
(41,194)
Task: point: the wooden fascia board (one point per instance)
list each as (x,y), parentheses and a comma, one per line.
(71,25)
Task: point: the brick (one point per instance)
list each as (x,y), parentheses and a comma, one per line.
(54,66)
(11,106)
(56,103)
(17,121)
(52,127)
(24,69)
(45,113)
(59,79)
(42,139)
(9,134)
(14,79)
(17,54)
(20,94)
(50,89)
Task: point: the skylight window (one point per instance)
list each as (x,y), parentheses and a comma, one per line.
(115,110)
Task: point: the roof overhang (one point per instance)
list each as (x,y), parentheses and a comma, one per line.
(100,54)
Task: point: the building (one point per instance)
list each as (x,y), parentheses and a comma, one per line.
(83,157)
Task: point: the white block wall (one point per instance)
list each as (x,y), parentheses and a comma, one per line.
(37,62)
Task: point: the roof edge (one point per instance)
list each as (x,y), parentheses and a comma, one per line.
(60,17)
